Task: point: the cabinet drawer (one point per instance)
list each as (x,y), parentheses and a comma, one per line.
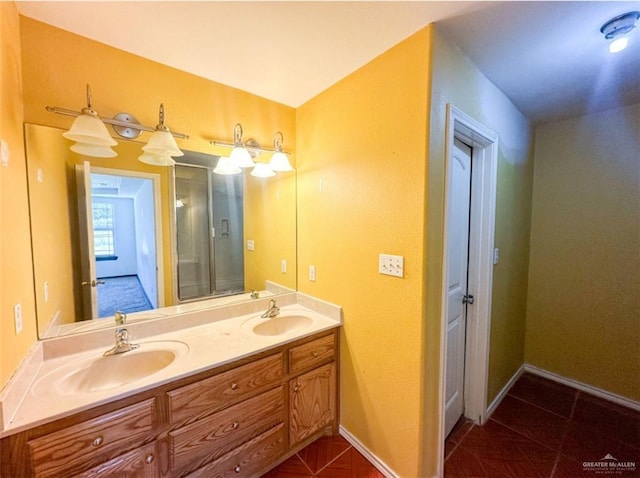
(68,448)
(306,356)
(225,389)
(248,459)
(217,434)
(141,463)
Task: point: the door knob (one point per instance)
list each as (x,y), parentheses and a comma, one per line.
(467,299)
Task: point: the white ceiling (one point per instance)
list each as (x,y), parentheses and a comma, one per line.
(548,57)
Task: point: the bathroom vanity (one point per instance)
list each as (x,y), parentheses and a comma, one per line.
(272,395)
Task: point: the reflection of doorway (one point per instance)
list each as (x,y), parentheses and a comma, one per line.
(120,250)
(209,232)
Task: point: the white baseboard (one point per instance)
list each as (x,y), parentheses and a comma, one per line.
(598,392)
(381,466)
(503,393)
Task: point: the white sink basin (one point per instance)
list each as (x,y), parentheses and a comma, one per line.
(282,324)
(99,373)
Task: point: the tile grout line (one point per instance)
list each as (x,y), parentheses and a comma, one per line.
(305,464)
(334,459)
(564,436)
(456,445)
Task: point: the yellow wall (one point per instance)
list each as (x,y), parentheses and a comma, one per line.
(583,317)
(457,81)
(361,169)
(57,65)
(16,277)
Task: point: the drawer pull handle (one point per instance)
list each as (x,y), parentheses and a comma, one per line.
(149,459)
(235,425)
(98,441)
(296,388)
(315,354)
(234,386)
(237,469)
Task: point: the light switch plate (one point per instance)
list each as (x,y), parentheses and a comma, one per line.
(250,245)
(4,152)
(391,265)
(283,266)
(17,317)
(312,273)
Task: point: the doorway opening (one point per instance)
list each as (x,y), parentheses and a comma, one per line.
(469,225)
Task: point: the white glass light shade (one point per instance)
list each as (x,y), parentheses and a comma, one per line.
(162,143)
(241,157)
(280,162)
(262,170)
(156,159)
(89,129)
(93,150)
(618,44)
(226,166)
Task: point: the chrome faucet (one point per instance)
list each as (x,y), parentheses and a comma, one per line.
(122,343)
(272,311)
(120,317)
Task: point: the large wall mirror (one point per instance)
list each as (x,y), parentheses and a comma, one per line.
(117,235)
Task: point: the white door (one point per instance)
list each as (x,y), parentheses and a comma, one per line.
(457,265)
(87,254)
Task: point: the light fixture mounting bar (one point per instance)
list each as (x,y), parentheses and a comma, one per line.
(248,146)
(113,122)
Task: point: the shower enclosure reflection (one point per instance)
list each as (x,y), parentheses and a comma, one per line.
(209,232)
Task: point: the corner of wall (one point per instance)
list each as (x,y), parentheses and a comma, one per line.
(16,268)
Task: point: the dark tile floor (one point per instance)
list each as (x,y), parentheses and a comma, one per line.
(544,429)
(327,457)
(541,429)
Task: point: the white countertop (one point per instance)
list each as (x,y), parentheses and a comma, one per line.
(207,346)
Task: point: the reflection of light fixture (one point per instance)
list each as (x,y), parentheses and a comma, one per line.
(93,139)
(262,170)
(279,160)
(161,145)
(616,29)
(251,149)
(226,166)
(90,133)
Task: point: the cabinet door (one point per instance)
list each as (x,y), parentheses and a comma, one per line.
(312,399)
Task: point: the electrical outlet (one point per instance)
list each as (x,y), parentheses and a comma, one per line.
(46,292)
(4,152)
(17,317)
(251,245)
(391,265)
(312,273)
(283,266)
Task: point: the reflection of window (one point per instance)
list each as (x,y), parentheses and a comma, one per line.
(103,229)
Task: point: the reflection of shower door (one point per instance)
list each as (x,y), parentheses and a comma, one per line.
(209,232)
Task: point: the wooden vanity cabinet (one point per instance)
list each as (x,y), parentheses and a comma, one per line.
(236,420)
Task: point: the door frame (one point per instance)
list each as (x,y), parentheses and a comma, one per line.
(484,144)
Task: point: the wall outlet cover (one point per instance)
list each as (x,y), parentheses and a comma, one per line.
(391,265)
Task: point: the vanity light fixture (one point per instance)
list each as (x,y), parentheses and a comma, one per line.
(90,133)
(232,165)
(161,146)
(279,160)
(240,155)
(93,139)
(617,28)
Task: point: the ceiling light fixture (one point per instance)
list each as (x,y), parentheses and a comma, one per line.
(617,28)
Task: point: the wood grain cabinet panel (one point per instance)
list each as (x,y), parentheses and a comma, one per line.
(217,434)
(225,389)
(248,459)
(306,356)
(54,454)
(139,463)
(312,402)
